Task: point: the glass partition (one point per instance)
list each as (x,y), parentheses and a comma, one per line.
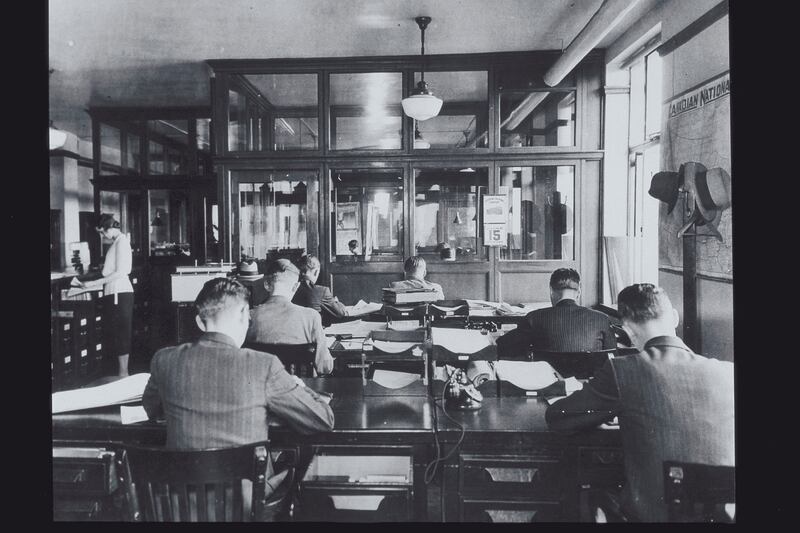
(447,213)
(133,154)
(542,118)
(365,111)
(367,217)
(541,212)
(273,212)
(169,224)
(110,145)
(463,119)
(126,206)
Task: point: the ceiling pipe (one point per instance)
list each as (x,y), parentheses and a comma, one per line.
(607,17)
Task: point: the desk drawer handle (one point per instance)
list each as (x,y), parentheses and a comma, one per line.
(512,475)
(507,515)
(350,502)
(353,365)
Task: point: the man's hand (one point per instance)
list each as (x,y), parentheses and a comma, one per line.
(298,380)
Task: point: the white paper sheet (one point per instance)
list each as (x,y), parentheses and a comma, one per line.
(404,325)
(329,341)
(551,400)
(132,414)
(463,341)
(571,385)
(527,375)
(392,379)
(393,346)
(363,308)
(121,391)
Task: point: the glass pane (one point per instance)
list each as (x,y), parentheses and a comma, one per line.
(168,216)
(110,145)
(156,155)
(367,217)
(213,245)
(273,212)
(537,119)
(541,217)
(203,146)
(637,109)
(290,101)
(133,157)
(462,122)
(446,215)
(126,208)
(237,121)
(366,113)
(653,94)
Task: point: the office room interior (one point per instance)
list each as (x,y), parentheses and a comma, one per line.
(406,217)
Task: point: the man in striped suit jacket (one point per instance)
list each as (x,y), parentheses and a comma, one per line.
(565,327)
(214,393)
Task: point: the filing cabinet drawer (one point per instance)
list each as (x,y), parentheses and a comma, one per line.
(510,477)
(363,504)
(84,471)
(509,511)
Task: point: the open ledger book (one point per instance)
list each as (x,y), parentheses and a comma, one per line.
(75,288)
(125,390)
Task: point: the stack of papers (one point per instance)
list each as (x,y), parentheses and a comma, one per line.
(125,390)
(527,375)
(76,288)
(355,328)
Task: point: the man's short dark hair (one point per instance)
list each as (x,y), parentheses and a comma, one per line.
(565,278)
(642,302)
(279,267)
(308,263)
(219,294)
(413,264)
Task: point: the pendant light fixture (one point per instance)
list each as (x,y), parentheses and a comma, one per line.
(421,104)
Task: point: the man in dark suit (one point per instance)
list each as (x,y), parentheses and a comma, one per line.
(214,393)
(317,297)
(279,321)
(672,404)
(564,327)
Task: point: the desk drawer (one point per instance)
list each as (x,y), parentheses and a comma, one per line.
(341,504)
(84,471)
(509,511)
(601,467)
(512,477)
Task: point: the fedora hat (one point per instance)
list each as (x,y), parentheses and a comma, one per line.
(248,271)
(690,170)
(713,192)
(664,186)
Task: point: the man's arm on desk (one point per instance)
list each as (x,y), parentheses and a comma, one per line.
(300,407)
(597,402)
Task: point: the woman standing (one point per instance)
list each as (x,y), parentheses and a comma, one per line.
(117,292)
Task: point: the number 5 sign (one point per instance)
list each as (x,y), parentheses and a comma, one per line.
(494,234)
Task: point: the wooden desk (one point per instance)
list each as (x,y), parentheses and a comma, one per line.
(511,431)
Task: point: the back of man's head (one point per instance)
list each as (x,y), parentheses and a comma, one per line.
(415,267)
(222,305)
(309,266)
(564,283)
(646,310)
(282,276)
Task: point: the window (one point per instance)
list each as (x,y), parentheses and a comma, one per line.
(463,119)
(110,145)
(542,118)
(367,217)
(447,213)
(273,212)
(541,212)
(365,111)
(169,225)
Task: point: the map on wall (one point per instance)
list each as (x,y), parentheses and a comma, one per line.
(698,128)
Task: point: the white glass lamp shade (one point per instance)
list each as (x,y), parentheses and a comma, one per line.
(422,106)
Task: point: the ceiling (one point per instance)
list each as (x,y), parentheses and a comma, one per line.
(152,52)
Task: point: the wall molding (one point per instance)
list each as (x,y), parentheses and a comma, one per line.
(704,21)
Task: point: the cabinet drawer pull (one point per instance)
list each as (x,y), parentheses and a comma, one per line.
(510,475)
(506,515)
(357,502)
(353,365)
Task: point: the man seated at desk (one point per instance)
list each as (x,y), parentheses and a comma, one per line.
(564,327)
(317,297)
(672,404)
(249,277)
(415,270)
(279,321)
(216,394)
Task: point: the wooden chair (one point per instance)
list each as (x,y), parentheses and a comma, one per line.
(298,359)
(205,486)
(698,492)
(582,365)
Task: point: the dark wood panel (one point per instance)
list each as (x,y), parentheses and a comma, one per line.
(455,284)
(353,286)
(518,287)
